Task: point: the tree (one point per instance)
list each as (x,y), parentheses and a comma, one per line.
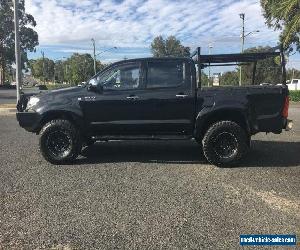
(100,66)
(229,78)
(204,79)
(79,68)
(284,15)
(28,37)
(59,71)
(292,74)
(267,71)
(170,47)
(42,69)
(74,70)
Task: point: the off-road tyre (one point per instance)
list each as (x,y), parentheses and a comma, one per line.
(225,143)
(60,141)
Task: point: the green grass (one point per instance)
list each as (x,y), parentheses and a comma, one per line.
(295,95)
(57,86)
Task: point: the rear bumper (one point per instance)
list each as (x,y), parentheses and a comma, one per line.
(29,120)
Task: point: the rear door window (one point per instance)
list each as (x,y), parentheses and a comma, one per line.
(165,74)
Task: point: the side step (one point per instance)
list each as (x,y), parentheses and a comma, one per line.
(140,137)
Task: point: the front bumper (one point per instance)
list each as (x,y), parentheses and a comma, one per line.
(29,120)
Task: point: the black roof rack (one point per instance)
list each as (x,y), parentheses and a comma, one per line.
(238,59)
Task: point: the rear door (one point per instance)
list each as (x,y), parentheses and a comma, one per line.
(169,98)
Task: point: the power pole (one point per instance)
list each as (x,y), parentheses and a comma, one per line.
(66,76)
(43,56)
(17,49)
(94,53)
(209,52)
(242,16)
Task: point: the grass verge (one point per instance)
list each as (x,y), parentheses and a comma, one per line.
(295,95)
(57,86)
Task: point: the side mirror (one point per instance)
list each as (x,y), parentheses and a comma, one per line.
(96,88)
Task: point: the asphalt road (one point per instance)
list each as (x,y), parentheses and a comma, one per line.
(8,96)
(146,195)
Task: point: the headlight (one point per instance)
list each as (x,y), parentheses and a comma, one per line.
(32,102)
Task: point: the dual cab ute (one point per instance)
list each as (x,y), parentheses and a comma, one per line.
(156,98)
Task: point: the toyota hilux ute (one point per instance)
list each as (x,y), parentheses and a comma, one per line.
(157,98)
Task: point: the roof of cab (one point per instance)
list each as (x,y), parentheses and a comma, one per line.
(155,59)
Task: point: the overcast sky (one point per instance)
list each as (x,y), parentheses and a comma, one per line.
(67,26)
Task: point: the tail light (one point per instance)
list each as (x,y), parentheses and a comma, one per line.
(285,111)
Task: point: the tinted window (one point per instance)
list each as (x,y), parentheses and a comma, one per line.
(165,74)
(120,77)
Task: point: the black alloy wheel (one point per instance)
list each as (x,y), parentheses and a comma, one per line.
(60,141)
(224,143)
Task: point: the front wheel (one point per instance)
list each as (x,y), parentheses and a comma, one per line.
(224,143)
(60,141)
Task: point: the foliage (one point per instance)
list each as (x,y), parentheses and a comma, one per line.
(170,47)
(229,78)
(57,86)
(59,74)
(295,95)
(284,15)
(79,68)
(42,69)
(292,74)
(76,69)
(9,74)
(204,79)
(267,71)
(28,37)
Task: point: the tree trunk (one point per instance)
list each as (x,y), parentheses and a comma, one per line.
(2,66)
(2,74)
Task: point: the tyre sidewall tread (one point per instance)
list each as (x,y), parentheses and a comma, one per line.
(70,129)
(224,126)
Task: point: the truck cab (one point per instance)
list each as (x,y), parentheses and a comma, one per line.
(145,97)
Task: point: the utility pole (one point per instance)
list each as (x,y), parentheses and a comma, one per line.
(66,75)
(17,49)
(94,54)
(43,56)
(209,52)
(242,16)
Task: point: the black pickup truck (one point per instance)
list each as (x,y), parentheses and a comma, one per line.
(156,98)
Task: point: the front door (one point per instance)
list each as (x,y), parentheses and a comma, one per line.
(115,110)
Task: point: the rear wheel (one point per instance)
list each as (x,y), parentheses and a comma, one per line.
(60,141)
(224,143)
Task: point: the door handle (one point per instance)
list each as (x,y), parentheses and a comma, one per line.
(132,97)
(181,96)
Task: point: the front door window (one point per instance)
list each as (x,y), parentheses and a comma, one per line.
(123,77)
